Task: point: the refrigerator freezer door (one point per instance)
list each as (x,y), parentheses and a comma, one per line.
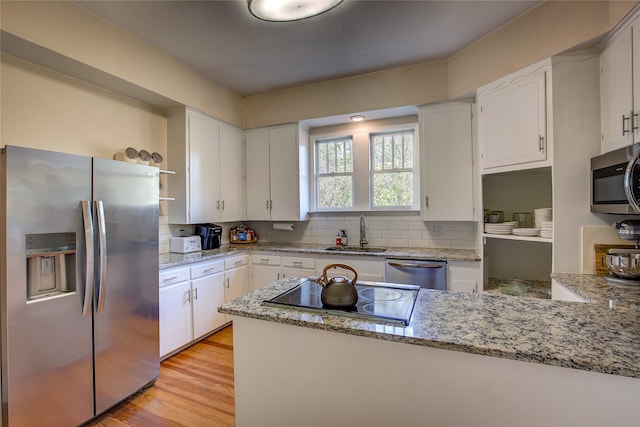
(126,316)
(46,341)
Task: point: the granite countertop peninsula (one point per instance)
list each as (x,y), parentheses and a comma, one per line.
(169,260)
(595,289)
(591,337)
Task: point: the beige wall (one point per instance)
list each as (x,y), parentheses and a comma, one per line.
(547,30)
(43,109)
(72,32)
(397,87)
(67,29)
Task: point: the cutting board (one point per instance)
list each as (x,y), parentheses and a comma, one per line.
(600,261)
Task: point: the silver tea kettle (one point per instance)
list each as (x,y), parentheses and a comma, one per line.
(338,291)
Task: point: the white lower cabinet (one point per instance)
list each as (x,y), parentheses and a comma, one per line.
(176,328)
(189,301)
(463,276)
(371,269)
(267,268)
(236,277)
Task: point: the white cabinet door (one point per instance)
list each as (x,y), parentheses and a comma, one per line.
(204,176)
(635,120)
(463,276)
(513,122)
(447,153)
(237,283)
(176,328)
(264,275)
(231,175)
(283,155)
(257,167)
(208,295)
(616,92)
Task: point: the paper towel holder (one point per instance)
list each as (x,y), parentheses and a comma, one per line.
(288,226)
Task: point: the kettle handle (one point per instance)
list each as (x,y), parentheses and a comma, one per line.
(324,280)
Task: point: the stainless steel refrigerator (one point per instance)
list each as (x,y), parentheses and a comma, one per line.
(78,287)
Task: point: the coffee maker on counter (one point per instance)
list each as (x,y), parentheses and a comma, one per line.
(210,235)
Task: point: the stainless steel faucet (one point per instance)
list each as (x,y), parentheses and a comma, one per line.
(363,237)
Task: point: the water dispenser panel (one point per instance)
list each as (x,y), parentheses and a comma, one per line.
(50,264)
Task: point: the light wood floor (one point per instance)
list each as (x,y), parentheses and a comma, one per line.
(195,388)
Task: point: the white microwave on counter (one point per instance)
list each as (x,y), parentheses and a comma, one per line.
(615,181)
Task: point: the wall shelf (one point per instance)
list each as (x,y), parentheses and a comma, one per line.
(515,237)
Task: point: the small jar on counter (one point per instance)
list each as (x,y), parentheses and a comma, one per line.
(144,157)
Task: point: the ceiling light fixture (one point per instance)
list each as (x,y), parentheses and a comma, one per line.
(357,118)
(289,10)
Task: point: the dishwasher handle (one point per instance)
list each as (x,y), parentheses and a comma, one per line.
(412,265)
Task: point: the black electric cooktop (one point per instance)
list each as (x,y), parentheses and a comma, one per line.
(387,302)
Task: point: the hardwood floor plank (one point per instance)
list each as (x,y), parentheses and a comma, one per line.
(195,388)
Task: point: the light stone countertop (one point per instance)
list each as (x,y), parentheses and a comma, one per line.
(595,289)
(169,260)
(591,337)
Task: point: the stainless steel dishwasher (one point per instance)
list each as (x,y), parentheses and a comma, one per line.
(426,274)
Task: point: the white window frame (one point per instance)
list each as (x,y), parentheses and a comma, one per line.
(360,134)
(316,174)
(416,174)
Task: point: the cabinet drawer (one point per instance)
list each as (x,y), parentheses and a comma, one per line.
(236,261)
(207,269)
(306,263)
(169,277)
(259,259)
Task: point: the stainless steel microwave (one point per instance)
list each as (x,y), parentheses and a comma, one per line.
(615,181)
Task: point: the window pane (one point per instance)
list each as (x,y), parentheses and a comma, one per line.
(335,191)
(393,189)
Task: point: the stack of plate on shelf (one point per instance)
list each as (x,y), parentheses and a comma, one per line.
(500,227)
(542,214)
(526,231)
(547,229)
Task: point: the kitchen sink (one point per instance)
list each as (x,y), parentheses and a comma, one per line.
(354,249)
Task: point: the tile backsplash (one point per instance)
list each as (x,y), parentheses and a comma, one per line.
(382,229)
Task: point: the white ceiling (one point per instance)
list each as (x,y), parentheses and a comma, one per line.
(223,41)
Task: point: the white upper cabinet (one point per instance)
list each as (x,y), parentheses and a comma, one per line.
(447,159)
(513,121)
(620,88)
(616,92)
(207,157)
(231,206)
(277,173)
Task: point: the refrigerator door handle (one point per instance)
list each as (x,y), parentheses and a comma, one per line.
(102,252)
(89,259)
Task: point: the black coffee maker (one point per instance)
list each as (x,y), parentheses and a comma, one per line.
(210,235)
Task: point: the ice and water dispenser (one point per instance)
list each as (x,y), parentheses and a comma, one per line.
(51,264)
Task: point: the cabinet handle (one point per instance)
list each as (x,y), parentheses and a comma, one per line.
(634,126)
(238,262)
(625,130)
(426,202)
(270,204)
(264,260)
(195,293)
(223,205)
(187,298)
(278,276)
(227,283)
(541,143)
(218,204)
(267,204)
(297,262)
(168,279)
